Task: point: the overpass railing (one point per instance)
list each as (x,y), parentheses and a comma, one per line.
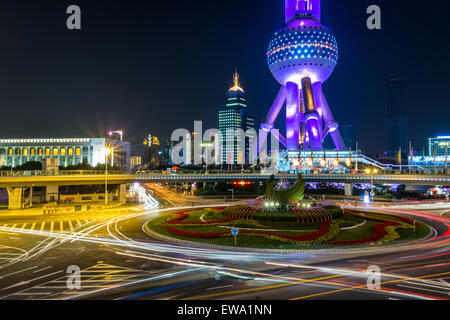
(8,173)
(5,173)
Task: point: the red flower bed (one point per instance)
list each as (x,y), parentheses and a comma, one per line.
(378,234)
(182,233)
(183,215)
(324,227)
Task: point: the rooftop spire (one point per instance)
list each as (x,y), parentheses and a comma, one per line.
(236,85)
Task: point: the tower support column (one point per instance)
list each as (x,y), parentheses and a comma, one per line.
(312,118)
(292,116)
(332,126)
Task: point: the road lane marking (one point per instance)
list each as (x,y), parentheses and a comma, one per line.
(70,225)
(42,226)
(28,281)
(365,285)
(79,223)
(36,271)
(16,272)
(424,289)
(33,225)
(32,294)
(61,226)
(296,283)
(24,225)
(51,226)
(14,225)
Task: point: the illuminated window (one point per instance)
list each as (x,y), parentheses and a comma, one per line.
(25,152)
(33,151)
(17,152)
(70,151)
(10,151)
(62,151)
(47,151)
(40,151)
(78,151)
(55,151)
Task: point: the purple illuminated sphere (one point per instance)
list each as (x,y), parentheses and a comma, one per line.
(304,48)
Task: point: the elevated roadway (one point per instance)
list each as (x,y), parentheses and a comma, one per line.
(123,178)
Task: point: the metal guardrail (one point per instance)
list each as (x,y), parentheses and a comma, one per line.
(4,173)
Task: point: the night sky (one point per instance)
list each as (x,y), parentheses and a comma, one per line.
(147,66)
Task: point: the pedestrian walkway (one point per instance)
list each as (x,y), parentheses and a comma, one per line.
(48,226)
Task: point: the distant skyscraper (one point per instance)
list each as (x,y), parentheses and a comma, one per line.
(151,152)
(349,134)
(396,118)
(235,115)
(166,156)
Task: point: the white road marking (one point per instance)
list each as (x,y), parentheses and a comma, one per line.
(42,226)
(31,294)
(23,226)
(33,225)
(61,226)
(12,273)
(424,289)
(36,271)
(29,281)
(51,226)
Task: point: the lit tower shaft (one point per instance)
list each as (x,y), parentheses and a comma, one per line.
(301,57)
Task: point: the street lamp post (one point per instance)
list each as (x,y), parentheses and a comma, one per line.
(107,153)
(371,172)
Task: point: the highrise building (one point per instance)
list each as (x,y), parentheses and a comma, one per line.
(150,155)
(439,146)
(166,155)
(233,116)
(396,117)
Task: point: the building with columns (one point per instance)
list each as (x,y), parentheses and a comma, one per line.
(68,151)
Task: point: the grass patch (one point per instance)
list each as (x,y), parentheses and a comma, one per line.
(422,230)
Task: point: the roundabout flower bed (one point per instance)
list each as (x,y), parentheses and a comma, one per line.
(385,231)
(213,225)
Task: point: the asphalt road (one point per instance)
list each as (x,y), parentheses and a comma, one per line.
(119,260)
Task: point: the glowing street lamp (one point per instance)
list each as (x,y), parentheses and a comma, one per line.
(371,172)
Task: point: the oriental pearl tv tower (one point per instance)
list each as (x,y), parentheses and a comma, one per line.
(301,57)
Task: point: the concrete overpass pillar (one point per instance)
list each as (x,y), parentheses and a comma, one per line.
(51,193)
(123,193)
(15,198)
(348,187)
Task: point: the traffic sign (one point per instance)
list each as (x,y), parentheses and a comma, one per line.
(235,232)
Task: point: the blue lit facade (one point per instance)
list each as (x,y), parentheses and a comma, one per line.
(297,45)
(438,146)
(233,116)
